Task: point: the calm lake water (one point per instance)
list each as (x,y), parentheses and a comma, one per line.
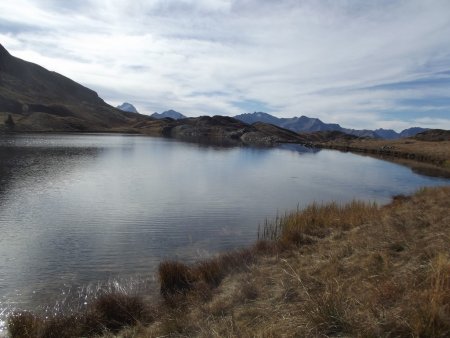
(79,209)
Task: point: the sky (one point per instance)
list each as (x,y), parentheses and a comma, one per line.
(362,64)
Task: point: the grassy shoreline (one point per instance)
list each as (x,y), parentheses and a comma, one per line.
(352,270)
(432,157)
(424,156)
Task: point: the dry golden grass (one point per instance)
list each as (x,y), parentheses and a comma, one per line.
(437,153)
(364,271)
(356,271)
(317,221)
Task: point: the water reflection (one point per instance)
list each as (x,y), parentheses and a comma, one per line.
(78,209)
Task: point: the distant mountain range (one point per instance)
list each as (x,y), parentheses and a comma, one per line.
(128,107)
(304,124)
(169,113)
(35,99)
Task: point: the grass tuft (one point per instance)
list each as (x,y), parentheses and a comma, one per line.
(317,221)
(329,312)
(174,277)
(108,313)
(178,279)
(113,311)
(23,324)
(432,316)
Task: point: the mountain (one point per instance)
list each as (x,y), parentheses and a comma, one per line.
(128,107)
(304,124)
(40,100)
(388,134)
(297,124)
(258,117)
(35,99)
(412,132)
(169,113)
(300,124)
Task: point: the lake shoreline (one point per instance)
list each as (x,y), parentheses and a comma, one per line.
(357,261)
(59,167)
(409,151)
(434,162)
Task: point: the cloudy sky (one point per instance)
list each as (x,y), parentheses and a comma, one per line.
(363,64)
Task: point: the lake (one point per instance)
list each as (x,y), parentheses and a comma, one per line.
(76,210)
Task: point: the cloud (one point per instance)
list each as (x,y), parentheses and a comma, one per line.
(358,63)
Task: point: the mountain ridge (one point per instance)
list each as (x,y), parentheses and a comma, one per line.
(33,98)
(169,114)
(41,100)
(127,107)
(304,124)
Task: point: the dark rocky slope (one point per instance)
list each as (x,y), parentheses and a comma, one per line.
(41,100)
(218,129)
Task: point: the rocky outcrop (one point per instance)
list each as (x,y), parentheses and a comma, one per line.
(218,129)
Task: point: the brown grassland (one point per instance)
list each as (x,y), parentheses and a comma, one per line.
(357,270)
(432,148)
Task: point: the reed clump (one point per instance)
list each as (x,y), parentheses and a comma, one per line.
(179,278)
(108,313)
(317,221)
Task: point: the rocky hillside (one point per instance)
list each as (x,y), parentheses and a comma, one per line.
(433,135)
(218,129)
(36,99)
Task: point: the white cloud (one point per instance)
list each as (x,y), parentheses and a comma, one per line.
(318,58)
(428,122)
